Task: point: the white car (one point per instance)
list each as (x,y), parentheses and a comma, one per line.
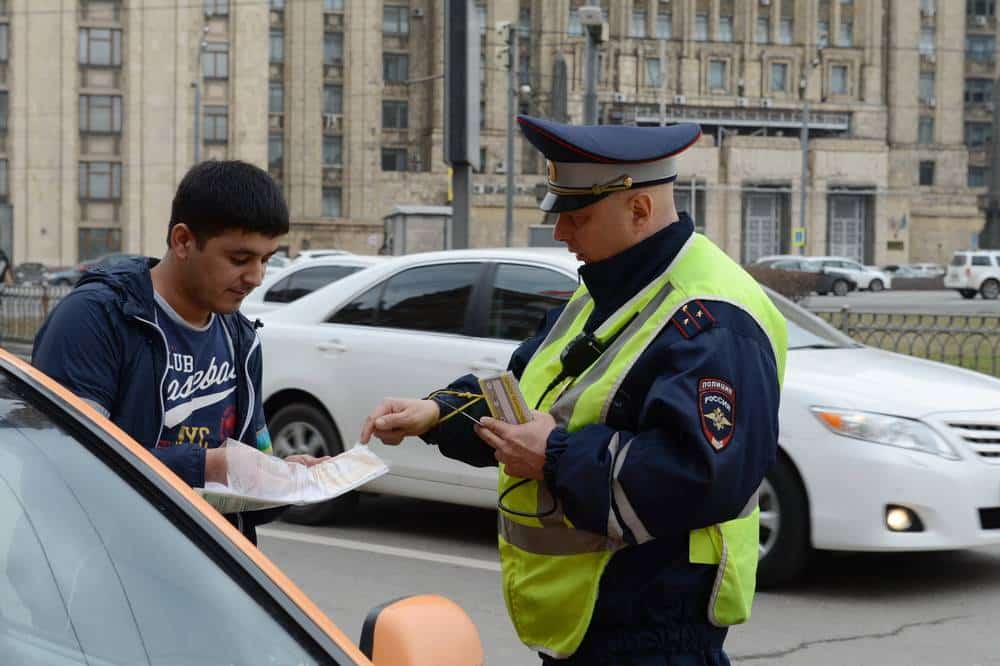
(878,451)
(867,277)
(305,255)
(300,278)
(973,272)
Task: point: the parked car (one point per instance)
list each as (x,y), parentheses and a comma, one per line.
(300,278)
(851,416)
(107,557)
(71,276)
(305,255)
(30,272)
(928,270)
(827,279)
(275,264)
(868,277)
(972,272)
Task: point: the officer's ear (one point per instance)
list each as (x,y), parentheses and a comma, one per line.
(641,205)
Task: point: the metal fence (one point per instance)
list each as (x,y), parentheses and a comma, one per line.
(23,308)
(969,341)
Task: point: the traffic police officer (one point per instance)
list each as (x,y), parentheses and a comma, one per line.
(628,506)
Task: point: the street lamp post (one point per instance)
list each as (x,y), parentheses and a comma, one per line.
(592,18)
(804,145)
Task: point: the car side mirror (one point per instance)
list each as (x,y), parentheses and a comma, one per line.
(422,630)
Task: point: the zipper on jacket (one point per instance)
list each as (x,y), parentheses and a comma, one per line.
(166,370)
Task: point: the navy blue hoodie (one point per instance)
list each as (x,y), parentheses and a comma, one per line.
(101,342)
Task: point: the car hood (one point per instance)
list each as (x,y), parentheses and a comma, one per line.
(879,381)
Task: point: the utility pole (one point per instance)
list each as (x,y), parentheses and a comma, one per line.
(989,237)
(196,84)
(507,32)
(804,145)
(592,18)
(462,75)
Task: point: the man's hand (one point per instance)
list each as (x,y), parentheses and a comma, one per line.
(215,465)
(307,460)
(397,418)
(521,448)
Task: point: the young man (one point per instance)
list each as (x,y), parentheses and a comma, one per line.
(160,346)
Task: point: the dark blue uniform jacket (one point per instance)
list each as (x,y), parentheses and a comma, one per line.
(651,600)
(100,342)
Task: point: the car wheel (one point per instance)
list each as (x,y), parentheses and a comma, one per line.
(990,289)
(784,526)
(822,293)
(876,285)
(302,428)
(840,288)
(967,293)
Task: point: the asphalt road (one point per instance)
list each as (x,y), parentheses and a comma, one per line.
(928,609)
(929,302)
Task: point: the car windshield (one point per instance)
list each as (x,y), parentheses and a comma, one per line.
(958,260)
(806,330)
(92,571)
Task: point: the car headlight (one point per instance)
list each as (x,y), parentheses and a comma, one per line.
(883,429)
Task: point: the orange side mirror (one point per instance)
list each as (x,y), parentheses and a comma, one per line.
(422,630)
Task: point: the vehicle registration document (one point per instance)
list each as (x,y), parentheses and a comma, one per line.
(276,483)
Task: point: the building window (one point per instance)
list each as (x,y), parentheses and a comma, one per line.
(716,75)
(395,114)
(786,30)
(725,29)
(701,27)
(838,80)
(978,91)
(4,43)
(277,5)
(332,201)
(4,101)
(927,40)
(394,159)
(277,53)
(638,26)
(927,172)
(333,48)
(575,27)
(977,134)
(276,97)
(101,114)
(333,147)
(100,47)
(395,67)
(654,73)
(762,36)
(216,7)
(216,124)
(4,181)
(980,7)
(925,130)
(823,34)
(779,77)
(215,61)
(333,99)
(976,176)
(664,22)
(980,48)
(395,20)
(92,243)
(926,90)
(333,5)
(846,36)
(100,181)
(275,151)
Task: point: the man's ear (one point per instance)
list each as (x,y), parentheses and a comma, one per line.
(182,241)
(641,206)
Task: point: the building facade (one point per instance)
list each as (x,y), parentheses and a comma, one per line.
(106,103)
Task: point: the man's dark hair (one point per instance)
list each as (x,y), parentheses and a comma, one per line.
(221,195)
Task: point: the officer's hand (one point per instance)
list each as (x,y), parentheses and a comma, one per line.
(397,418)
(303,459)
(521,448)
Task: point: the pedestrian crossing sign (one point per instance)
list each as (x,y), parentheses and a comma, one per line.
(798,238)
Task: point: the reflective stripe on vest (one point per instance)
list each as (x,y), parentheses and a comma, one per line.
(551,570)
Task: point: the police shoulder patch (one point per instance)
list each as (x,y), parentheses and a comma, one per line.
(717,411)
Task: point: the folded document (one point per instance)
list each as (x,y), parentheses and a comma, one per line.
(274,482)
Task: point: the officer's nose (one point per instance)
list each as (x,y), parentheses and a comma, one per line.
(563,228)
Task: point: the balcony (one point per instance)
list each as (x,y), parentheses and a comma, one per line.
(275,122)
(333,174)
(333,22)
(334,71)
(333,123)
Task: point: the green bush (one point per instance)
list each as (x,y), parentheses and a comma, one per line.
(794,285)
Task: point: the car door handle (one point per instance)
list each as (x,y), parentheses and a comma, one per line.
(487,364)
(331,346)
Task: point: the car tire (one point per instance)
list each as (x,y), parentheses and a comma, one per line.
(876,285)
(303,428)
(967,293)
(840,288)
(990,289)
(784,526)
(822,293)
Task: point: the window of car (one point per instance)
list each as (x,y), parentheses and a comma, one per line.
(306,281)
(431,298)
(97,567)
(958,260)
(980,260)
(521,296)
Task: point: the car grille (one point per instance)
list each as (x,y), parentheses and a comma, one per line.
(983,438)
